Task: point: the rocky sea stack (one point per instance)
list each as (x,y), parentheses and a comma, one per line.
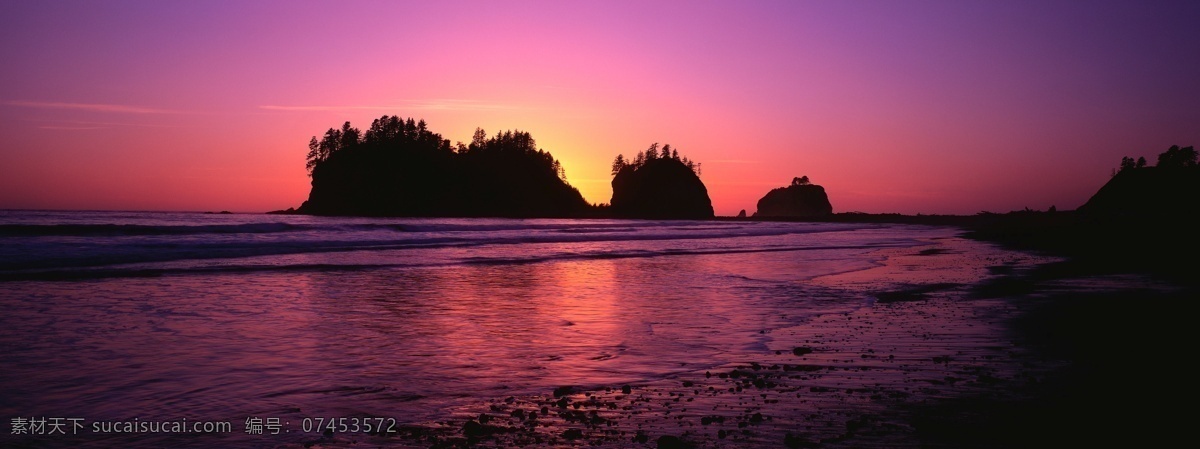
(400,168)
(659,187)
(802,199)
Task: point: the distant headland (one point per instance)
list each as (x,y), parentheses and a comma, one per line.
(1137,191)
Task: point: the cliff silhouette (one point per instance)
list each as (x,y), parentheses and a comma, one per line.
(400,168)
(658,187)
(801,199)
(1140,192)
(1141,220)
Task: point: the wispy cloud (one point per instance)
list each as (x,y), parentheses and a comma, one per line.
(425,105)
(747,183)
(731,161)
(94,107)
(71,128)
(81,125)
(86,123)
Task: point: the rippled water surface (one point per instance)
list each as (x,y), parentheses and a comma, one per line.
(115,316)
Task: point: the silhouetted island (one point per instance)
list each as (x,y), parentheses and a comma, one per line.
(400,168)
(802,199)
(658,186)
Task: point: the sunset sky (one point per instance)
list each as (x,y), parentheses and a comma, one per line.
(893,106)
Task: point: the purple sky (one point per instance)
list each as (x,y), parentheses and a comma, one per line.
(895,106)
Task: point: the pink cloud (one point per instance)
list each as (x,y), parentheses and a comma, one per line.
(94,107)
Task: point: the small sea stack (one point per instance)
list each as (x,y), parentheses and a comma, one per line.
(654,186)
(802,199)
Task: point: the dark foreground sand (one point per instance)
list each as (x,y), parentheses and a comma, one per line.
(1041,354)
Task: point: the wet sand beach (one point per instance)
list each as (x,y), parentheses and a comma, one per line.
(962,345)
(500,333)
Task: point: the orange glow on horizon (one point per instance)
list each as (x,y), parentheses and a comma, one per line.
(925,108)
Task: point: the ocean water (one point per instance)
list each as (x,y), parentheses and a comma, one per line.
(152,317)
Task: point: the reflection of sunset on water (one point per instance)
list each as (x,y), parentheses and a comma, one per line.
(436,321)
(572,305)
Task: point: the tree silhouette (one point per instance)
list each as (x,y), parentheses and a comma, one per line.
(400,168)
(319,152)
(314,155)
(1176,157)
(658,184)
(652,152)
(618,164)
(479,138)
(1127,163)
(349,137)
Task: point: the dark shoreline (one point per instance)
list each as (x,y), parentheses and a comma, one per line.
(1116,386)
(1119,387)
(1110,339)
(1113,384)
(1160,245)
